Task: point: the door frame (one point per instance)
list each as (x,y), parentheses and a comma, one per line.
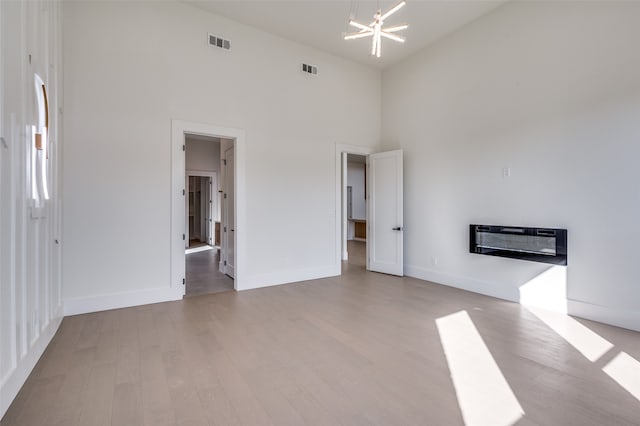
(214,192)
(341,199)
(223,266)
(179,128)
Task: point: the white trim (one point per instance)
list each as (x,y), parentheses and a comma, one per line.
(344,199)
(288,277)
(341,199)
(178,130)
(463,283)
(105,302)
(606,315)
(12,383)
(617,317)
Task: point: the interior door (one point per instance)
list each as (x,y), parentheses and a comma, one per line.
(209,208)
(385,239)
(229,227)
(187,208)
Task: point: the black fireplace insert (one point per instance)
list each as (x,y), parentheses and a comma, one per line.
(545,245)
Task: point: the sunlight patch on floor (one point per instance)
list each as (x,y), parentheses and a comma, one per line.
(588,343)
(484,396)
(625,370)
(198,249)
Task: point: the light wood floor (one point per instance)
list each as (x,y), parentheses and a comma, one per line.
(362,348)
(357,251)
(203,275)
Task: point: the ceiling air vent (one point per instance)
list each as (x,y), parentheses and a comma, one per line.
(310,69)
(219,42)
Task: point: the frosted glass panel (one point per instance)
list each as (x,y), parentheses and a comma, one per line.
(520,243)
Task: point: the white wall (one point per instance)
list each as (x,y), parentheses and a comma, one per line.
(551,91)
(202,155)
(30,289)
(124,84)
(355,179)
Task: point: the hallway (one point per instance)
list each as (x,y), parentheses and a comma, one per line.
(203,276)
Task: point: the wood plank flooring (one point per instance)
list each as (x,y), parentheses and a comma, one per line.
(203,275)
(362,348)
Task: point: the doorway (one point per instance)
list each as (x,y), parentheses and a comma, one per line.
(348,249)
(199,213)
(356,221)
(383,222)
(202,213)
(201,210)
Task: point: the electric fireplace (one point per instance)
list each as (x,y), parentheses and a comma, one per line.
(545,245)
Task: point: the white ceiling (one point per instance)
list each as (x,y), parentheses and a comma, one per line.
(321,23)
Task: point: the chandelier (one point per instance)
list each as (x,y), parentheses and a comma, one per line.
(376,31)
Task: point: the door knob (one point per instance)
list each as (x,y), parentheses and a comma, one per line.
(397,228)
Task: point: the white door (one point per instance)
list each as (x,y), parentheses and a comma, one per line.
(209,207)
(385,239)
(187,202)
(229,205)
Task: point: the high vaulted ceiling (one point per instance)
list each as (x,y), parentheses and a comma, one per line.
(321,23)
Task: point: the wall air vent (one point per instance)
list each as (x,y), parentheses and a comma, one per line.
(310,69)
(219,42)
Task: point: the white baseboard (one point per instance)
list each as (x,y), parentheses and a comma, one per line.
(618,317)
(105,302)
(11,384)
(290,276)
(463,283)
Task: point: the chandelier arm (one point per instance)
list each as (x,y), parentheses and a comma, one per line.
(362,34)
(373,44)
(393,10)
(392,36)
(360,26)
(396,28)
(378,41)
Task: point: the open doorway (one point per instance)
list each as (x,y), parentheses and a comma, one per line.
(201,210)
(382,226)
(356,220)
(203,216)
(351,226)
(236,248)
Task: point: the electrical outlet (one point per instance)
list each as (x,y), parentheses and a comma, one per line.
(434,260)
(506,172)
